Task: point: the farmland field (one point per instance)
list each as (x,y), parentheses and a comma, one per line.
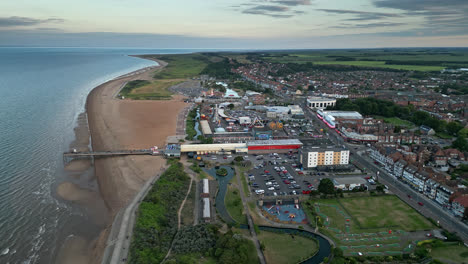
(381,64)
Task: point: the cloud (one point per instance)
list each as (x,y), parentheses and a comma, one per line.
(369,25)
(14,21)
(292,2)
(268,10)
(275,8)
(439,16)
(361,15)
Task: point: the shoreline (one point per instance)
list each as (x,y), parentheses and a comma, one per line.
(116,124)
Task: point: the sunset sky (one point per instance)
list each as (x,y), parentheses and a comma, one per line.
(235,23)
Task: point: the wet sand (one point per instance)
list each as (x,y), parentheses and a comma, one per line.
(117,124)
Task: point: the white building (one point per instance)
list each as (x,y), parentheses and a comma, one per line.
(320,102)
(312,157)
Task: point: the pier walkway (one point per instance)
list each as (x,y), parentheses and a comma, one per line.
(69,156)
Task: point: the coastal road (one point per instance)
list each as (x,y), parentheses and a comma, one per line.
(429,209)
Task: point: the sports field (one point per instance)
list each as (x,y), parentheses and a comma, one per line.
(373,225)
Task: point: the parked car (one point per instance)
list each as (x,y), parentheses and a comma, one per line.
(271,188)
(260,191)
(421,204)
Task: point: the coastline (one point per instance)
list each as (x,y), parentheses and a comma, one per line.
(119,124)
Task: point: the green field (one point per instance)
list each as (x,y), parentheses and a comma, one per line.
(374,225)
(381,64)
(155,90)
(283,249)
(402,59)
(454,253)
(234,204)
(384,212)
(396,121)
(182,66)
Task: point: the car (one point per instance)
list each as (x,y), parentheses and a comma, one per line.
(420,203)
(224,157)
(359,253)
(428,234)
(297,169)
(268,183)
(260,191)
(275,194)
(294,192)
(271,188)
(213,158)
(246,157)
(286,182)
(229,156)
(409,196)
(306,192)
(300,172)
(255,185)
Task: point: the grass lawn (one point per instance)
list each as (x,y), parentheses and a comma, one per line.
(382,64)
(234,204)
(397,121)
(181,66)
(156,90)
(384,211)
(444,135)
(454,253)
(282,248)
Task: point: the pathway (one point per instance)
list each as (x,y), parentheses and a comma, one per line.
(261,257)
(180,212)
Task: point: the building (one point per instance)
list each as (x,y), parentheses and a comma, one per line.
(349,183)
(425,130)
(231,94)
(443,195)
(344,117)
(273,146)
(320,102)
(460,204)
(399,167)
(408,173)
(312,157)
(296,111)
(172,150)
(278,112)
(205,127)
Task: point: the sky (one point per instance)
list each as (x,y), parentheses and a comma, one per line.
(231,24)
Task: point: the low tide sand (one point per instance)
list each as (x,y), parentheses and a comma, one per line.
(119,124)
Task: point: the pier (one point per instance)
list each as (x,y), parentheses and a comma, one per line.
(69,156)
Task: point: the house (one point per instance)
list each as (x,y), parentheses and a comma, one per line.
(454,154)
(443,195)
(460,204)
(419,180)
(425,130)
(399,167)
(440,158)
(408,173)
(430,188)
(391,160)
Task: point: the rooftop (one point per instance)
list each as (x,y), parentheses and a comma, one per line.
(274,142)
(344,114)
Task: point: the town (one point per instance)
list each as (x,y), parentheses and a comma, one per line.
(368,161)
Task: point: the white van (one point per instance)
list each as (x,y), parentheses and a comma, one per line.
(260,191)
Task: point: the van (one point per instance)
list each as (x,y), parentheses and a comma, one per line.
(259,191)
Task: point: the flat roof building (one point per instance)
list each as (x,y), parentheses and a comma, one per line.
(314,156)
(205,126)
(320,102)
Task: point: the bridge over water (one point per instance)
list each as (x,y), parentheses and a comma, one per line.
(69,156)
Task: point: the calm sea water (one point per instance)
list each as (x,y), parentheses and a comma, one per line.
(42,91)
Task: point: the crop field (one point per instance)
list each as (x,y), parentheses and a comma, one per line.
(381,64)
(375,225)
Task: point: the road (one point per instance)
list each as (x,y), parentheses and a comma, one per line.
(430,208)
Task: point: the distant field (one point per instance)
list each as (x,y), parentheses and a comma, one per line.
(283,249)
(384,211)
(155,90)
(182,66)
(403,59)
(381,64)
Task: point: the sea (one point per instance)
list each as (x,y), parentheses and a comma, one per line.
(42,93)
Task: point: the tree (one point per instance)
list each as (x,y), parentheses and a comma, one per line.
(239,158)
(326,186)
(380,188)
(231,106)
(397,129)
(453,128)
(460,143)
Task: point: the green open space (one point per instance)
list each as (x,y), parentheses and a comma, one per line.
(182,66)
(384,211)
(382,64)
(453,253)
(156,222)
(146,90)
(285,248)
(234,204)
(371,224)
(396,121)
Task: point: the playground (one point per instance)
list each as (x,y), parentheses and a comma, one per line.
(374,226)
(284,213)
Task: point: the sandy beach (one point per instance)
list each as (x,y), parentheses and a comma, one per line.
(119,124)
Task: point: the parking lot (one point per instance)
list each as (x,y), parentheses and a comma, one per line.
(279,175)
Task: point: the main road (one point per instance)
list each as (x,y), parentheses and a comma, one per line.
(429,208)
